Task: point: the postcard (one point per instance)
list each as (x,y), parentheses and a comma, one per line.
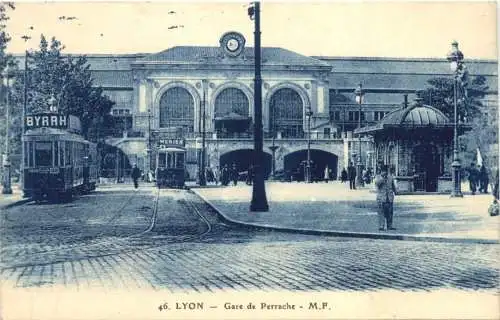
(249,160)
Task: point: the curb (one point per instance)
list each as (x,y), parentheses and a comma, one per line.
(337,233)
(15,203)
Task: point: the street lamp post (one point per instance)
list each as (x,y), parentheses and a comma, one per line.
(456,57)
(6,186)
(149,151)
(359,99)
(203,180)
(308,163)
(273,147)
(259,198)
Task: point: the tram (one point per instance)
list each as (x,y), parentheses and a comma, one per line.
(170,163)
(57,161)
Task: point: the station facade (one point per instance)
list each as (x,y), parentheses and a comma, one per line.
(210,89)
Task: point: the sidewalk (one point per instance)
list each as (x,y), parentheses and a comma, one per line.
(334,209)
(9,199)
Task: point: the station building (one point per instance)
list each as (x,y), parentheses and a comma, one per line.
(211,89)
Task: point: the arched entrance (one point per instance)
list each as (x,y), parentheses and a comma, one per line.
(177,109)
(243,158)
(427,167)
(294,164)
(114,162)
(285,113)
(231,112)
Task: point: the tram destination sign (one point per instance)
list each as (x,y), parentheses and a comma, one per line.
(171,142)
(51,120)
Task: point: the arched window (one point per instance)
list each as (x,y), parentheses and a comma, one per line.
(286,113)
(177,109)
(231,100)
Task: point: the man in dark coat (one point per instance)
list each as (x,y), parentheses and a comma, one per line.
(136,174)
(484,180)
(234,174)
(351,174)
(473,178)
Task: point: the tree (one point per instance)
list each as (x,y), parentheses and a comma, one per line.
(67,82)
(470,110)
(440,95)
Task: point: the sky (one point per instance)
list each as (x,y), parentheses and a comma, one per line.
(325,28)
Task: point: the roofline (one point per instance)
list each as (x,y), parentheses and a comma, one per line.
(401,59)
(360,58)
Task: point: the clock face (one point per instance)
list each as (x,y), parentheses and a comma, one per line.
(232,44)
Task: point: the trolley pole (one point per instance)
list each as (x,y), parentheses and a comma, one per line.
(259,199)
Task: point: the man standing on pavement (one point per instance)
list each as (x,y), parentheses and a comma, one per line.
(136,174)
(386,189)
(351,173)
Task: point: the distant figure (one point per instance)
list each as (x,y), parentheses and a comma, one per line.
(234,174)
(351,173)
(136,174)
(495,186)
(473,178)
(216,174)
(249,175)
(343,175)
(483,179)
(386,189)
(326,174)
(225,175)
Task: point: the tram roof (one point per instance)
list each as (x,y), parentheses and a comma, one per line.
(171,149)
(41,132)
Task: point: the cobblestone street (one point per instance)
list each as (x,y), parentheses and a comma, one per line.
(121,238)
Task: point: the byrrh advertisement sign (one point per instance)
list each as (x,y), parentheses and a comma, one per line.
(51,120)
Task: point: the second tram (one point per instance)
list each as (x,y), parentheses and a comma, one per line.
(170,163)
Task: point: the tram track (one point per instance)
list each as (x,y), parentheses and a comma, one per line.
(148,238)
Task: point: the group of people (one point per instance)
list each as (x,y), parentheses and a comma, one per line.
(351,174)
(478,178)
(225,176)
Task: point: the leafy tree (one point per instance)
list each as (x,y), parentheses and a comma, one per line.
(64,82)
(470,110)
(440,95)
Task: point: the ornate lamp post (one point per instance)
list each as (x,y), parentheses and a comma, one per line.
(456,57)
(359,99)
(6,186)
(259,198)
(309,114)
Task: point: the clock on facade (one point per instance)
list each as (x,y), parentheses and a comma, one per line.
(232,43)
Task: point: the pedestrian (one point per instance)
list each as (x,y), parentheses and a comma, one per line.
(386,189)
(234,174)
(249,175)
(343,175)
(495,186)
(473,178)
(483,179)
(136,174)
(225,175)
(215,171)
(326,174)
(351,173)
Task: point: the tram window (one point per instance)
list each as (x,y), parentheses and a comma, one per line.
(61,153)
(56,154)
(43,153)
(27,154)
(67,152)
(170,160)
(161,160)
(179,160)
